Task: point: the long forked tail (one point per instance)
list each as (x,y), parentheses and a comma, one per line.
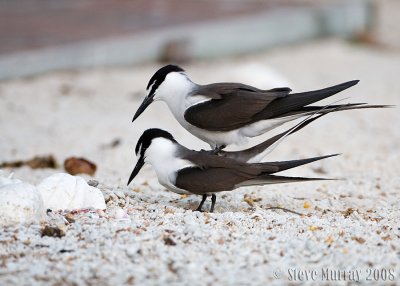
(256,153)
(273,179)
(296,101)
(285,165)
(306,110)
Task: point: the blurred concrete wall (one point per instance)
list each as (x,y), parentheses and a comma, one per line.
(236,33)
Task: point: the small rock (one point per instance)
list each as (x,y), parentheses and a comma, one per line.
(76,166)
(132,251)
(360,240)
(70,218)
(20,203)
(93,183)
(118,213)
(52,231)
(120,194)
(168,240)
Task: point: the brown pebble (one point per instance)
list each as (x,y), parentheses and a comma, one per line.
(52,231)
(360,240)
(168,240)
(70,218)
(76,166)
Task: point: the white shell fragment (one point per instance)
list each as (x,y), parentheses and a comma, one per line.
(65,192)
(119,214)
(19,203)
(7,180)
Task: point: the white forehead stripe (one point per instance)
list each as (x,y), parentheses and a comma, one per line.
(140,148)
(149,88)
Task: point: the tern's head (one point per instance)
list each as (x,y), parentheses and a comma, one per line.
(153,144)
(162,85)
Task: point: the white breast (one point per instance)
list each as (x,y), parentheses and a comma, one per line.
(161,154)
(175,91)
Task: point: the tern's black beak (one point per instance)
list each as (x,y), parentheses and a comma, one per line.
(136,170)
(146,102)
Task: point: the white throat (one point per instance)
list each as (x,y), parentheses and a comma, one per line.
(175,86)
(177,92)
(161,154)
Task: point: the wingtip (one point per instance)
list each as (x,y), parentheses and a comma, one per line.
(383,106)
(325,156)
(329,156)
(334,155)
(373,106)
(330,179)
(352,82)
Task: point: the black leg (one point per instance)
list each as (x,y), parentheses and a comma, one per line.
(221,147)
(213,200)
(218,149)
(214,151)
(201,203)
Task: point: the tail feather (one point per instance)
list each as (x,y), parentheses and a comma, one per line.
(285,165)
(273,179)
(295,101)
(352,106)
(257,152)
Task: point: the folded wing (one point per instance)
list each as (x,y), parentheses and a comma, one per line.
(231,106)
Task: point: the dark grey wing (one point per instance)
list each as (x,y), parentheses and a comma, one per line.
(214,173)
(231,106)
(201,181)
(205,160)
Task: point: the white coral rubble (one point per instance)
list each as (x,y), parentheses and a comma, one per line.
(65,192)
(24,203)
(19,202)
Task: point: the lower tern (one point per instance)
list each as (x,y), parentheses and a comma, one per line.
(222,114)
(186,171)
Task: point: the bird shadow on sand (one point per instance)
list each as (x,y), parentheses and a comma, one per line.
(192,202)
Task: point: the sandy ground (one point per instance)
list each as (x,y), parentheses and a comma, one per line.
(349,225)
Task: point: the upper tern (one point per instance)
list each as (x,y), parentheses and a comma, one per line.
(222,114)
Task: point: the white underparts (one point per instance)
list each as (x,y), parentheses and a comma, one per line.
(161,154)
